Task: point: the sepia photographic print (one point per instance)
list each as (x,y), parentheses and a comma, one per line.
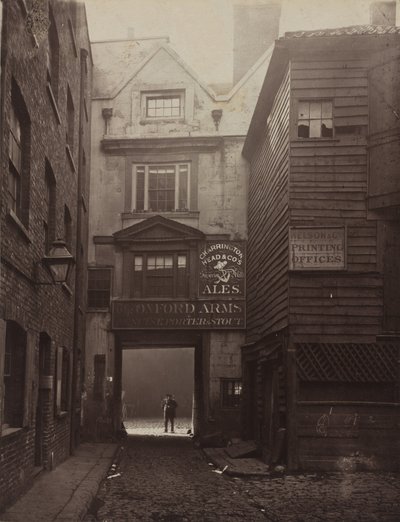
(200,260)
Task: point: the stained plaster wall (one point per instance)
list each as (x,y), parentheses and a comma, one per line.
(221,195)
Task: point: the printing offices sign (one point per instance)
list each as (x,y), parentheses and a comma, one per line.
(317,248)
(222,269)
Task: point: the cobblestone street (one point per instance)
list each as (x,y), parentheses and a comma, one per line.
(163,478)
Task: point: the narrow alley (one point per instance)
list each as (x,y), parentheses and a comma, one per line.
(164,478)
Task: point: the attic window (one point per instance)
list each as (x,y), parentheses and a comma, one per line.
(164,105)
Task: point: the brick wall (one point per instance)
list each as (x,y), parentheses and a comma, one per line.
(48,308)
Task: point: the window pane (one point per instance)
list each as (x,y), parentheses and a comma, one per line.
(140,188)
(182,261)
(151,263)
(315,110)
(303,129)
(183,188)
(304,110)
(99,288)
(138,263)
(315,129)
(326,129)
(326,109)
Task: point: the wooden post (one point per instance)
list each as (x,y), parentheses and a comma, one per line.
(292,439)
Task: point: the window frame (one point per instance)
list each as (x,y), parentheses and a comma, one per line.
(91,290)
(18,176)
(231,401)
(143,292)
(49,221)
(14,397)
(145,170)
(297,118)
(163,94)
(63,381)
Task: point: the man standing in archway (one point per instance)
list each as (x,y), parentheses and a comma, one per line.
(169,406)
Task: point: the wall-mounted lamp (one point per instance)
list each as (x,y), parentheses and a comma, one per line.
(58,262)
(216,116)
(107,113)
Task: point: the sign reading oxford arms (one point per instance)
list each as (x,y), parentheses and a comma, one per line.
(220,303)
(202,315)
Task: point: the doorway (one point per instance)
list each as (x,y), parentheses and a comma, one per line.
(148,374)
(43,397)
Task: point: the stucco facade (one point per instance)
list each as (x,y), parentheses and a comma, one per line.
(202,137)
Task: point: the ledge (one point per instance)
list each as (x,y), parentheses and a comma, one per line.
(170,215)
(182,144)
(21,227)
(53,103)
(70,157)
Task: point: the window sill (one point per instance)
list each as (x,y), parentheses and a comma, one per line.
(97,310)
(70,158)
(21,227)
(6,432)
(148,213)
(147,121)
(314,140)
(53,103)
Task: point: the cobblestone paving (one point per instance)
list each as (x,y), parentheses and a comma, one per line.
(165,479)
(344,497)
(155,426)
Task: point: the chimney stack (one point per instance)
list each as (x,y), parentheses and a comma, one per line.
(383,13)
(255,28)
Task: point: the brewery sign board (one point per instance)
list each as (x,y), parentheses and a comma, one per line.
(317,248)
(222,269)
(129,314)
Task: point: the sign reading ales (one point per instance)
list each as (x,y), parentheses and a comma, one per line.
(317,248)
(128,314)
(222,269)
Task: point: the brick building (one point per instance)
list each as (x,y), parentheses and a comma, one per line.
(167,224)
(45,130)
(321,360)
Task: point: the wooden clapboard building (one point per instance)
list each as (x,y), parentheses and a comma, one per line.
(321,362)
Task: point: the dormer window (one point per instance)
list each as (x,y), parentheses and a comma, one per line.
(163,105)
(161,188)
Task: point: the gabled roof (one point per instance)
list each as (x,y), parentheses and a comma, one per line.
(361,38)
(158,228)
(117,62)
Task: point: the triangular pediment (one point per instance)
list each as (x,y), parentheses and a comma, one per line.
(158,228)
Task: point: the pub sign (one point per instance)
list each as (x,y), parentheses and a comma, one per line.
(222,269)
